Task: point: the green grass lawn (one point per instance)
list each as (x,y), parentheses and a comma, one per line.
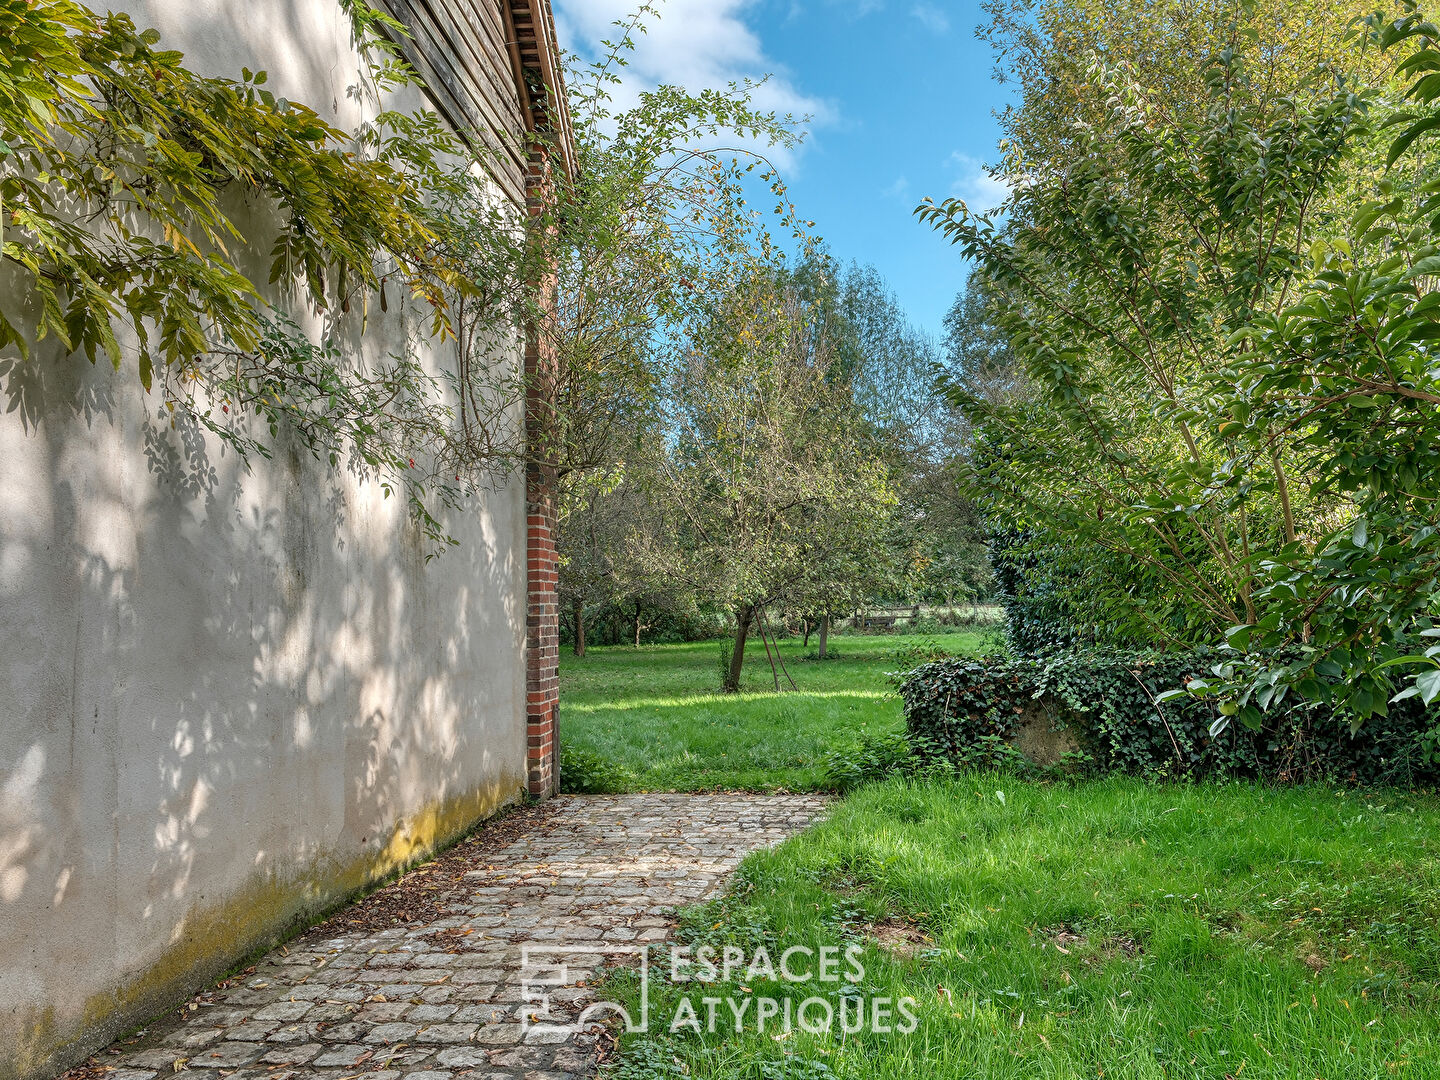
(654,711)
(1107,929)
(1104,929)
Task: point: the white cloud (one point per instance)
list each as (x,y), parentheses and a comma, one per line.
(932,18)
(981,190)
(899,190)
(697,44)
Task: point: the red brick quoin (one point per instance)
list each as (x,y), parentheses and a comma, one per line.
(530,30)
(542,636)
(542,616)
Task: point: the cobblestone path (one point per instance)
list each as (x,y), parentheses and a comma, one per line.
(441,997)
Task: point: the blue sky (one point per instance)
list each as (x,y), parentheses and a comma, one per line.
(902,102)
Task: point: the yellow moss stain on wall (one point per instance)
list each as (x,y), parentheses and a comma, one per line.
(39,1043)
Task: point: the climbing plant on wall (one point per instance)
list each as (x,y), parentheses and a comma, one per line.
(126,181)
(129,181)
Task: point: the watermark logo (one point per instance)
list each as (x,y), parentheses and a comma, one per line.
(706,979)
(547,970)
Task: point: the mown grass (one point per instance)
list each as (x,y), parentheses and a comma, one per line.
(1107,929)
(655,714)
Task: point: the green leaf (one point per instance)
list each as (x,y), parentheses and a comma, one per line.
(1413,658)
(1238,637)
(1428,683)
(1401,144)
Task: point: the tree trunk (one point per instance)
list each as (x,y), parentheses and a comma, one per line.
(824,635)
(805,622)
(579,629)
(638,609)
(774,671)
(743,615)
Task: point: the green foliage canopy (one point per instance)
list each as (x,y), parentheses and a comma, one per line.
(1230,411)
(117,161)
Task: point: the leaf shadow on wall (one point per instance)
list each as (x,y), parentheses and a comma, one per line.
(222,685)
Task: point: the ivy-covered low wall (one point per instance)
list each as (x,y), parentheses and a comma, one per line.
(1104,704)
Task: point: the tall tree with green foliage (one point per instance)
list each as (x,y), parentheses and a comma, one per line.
(1346,380)
(652,226)
(1230,375)
(933,550)
(766,470)
(1121,270)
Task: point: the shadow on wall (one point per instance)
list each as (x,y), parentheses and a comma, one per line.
(229,699)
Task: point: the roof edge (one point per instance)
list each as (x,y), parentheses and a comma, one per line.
(536,54)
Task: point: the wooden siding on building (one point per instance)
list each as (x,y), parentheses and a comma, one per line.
(492,69)
(462,51)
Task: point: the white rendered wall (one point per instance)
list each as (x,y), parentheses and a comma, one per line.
(227,699)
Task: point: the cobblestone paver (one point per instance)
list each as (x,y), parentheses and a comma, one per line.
(444,999)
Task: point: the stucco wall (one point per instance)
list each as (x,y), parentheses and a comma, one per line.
(227,699)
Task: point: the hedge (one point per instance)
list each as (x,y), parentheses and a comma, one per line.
(1107,701)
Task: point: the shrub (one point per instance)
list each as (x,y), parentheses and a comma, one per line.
(921,652)
(928,624)
(584,772)
(878,757)
(1108,699)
